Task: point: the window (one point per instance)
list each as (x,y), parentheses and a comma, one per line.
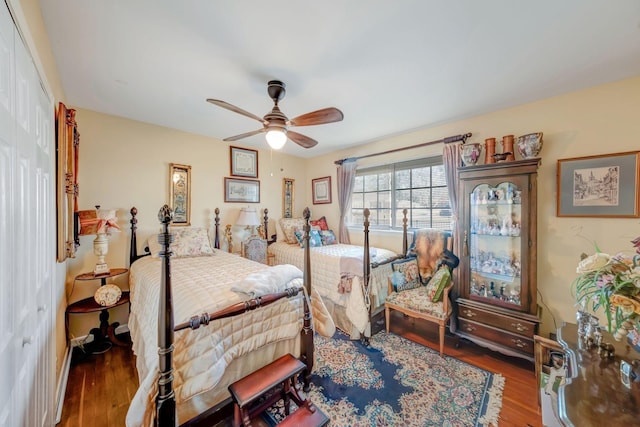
(418,185)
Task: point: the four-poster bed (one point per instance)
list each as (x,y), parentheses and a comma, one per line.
(358,314)
(183,374)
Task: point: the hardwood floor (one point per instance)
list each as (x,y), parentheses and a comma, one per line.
(101,386)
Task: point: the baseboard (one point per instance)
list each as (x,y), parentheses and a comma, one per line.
(62,383)
(61,388)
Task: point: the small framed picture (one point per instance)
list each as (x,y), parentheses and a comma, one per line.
(321,190)
(604,186)
(180,193)
(241,190)
(244,162)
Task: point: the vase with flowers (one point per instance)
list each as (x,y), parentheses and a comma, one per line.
(612,283)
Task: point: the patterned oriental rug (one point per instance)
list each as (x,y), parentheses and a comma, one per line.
(396,382)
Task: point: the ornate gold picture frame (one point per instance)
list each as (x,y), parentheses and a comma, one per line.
(288,194)
(180,193)
(67,145)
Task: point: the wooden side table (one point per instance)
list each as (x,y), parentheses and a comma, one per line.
(104,336)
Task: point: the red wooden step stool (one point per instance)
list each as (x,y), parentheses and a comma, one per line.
(281,373)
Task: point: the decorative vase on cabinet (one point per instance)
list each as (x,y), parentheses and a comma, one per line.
(497,306)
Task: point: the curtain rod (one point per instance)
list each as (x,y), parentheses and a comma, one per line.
(447,140)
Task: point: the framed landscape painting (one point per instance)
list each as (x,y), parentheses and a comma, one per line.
(599,186)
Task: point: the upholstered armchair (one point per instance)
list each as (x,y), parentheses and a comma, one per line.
(419,286)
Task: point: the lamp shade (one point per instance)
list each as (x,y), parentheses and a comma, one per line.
(98,221)
(248,216)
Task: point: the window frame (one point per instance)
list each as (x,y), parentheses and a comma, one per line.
(395,212)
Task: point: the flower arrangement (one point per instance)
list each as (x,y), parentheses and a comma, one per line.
(613,284)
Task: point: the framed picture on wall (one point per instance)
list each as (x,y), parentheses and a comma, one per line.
(604,186)
(241,190)
(244,162)
(321,190)
(287,197)
(180,193)
(67,144)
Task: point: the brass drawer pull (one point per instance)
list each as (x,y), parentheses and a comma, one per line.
(469,313)
(519,327)
(519,343)
(469,328)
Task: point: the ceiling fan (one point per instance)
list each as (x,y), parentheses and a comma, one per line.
(276,124)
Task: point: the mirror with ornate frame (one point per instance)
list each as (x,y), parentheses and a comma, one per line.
(287,197)
(67,144)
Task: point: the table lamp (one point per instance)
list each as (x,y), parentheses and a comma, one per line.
(101,222)
(248,217)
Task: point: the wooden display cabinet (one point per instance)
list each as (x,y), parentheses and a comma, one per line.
(496,285)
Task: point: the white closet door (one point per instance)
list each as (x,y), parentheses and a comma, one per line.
(8,342)
(43,244)
(27,249)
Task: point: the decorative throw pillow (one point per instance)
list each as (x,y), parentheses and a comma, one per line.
(322,223)
(314,238)
(289,226)
(438,283)
(191,241)
(328,237)
(188,242)
(405,275)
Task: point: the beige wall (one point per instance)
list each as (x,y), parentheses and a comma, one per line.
(124,163)
(598,120)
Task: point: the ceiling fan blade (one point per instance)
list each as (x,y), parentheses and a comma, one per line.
(326,115)
(244,135)
(302,140)
(235,109)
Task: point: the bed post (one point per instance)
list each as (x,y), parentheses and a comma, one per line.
(366,260)
(265,221)
(404,233)
(216,242)
(307,331)
(166,399)
(133,251)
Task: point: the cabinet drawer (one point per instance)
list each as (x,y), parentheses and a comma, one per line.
(511,324)
(513,341)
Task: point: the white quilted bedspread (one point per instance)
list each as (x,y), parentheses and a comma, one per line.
(325,273)
(200,284)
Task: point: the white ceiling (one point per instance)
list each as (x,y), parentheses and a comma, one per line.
(390,66)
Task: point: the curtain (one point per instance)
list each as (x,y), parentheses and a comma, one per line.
(346,181)
(451,161)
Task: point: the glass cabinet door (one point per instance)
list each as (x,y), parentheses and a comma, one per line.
(495,247)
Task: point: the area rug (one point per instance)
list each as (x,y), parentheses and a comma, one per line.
(396,382)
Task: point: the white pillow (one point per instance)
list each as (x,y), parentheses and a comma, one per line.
(280,237)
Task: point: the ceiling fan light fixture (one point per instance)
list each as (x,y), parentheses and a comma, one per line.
(276,138)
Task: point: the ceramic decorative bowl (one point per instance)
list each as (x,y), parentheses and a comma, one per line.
(108,295)
(529,145)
